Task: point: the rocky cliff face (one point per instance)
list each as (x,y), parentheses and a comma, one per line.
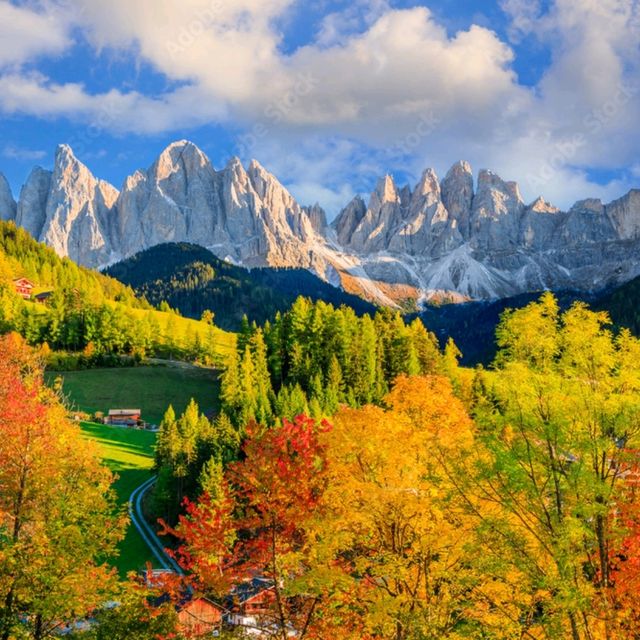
(8,205)
(450,239)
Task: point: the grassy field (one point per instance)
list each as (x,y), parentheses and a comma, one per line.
(129,454)
(149,388)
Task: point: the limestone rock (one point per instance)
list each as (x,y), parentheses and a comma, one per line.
(8,206)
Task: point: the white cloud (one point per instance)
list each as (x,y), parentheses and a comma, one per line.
(26,34)
(114,111)
(14,152)
(378,89)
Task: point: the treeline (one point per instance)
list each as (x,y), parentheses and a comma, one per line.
(512,514)
(90,319)
(191,452)
(314,357)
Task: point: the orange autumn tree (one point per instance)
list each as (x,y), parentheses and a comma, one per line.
(254,525)
(395,518)
(57,522)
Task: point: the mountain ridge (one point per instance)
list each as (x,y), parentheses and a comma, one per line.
(453,239)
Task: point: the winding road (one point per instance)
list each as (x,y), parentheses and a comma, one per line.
(148,534)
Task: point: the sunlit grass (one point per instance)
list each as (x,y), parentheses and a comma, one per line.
(129,454)
(151,389)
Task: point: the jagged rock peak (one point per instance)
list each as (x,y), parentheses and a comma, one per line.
(489,180)
(317,217)
(457,195)
(8,205)
(428,183)
(348,219)
(460,168)
(64,155)
(235,170)
(540,205)
(385,190)
(593,205)
(181,155)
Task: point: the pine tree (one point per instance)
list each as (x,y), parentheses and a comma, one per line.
(211,478)
(230,389)
(262,379)
(248,389)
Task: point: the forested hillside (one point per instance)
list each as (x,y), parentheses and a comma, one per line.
(501,505)
(623,305)
(191,279)
(312,360)
(90,314)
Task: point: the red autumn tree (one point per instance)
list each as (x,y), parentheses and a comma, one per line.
(625,563)
(256,524)
(57,514)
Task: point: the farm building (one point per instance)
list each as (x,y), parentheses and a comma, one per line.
(43,297)
(23,287)
(199,616)
(123,417)
(251,604)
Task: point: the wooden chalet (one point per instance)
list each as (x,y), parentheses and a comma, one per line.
(123,417)
(23,287)
(199,616)
(251,604)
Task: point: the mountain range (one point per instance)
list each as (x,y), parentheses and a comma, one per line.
(457,239)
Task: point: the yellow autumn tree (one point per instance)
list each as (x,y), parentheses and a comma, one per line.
(561,419)
(398,525)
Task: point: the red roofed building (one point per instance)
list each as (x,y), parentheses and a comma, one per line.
(199,616)
(23,287)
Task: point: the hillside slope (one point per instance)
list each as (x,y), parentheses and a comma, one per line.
(92,314)
(191,279)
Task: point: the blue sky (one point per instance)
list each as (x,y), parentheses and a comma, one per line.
(330,95)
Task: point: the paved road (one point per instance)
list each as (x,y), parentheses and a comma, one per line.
(148,534)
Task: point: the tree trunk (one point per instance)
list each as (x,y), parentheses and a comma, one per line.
(38,632)
(7,615)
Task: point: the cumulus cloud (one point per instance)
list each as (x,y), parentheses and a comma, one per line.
(26,33)
(114,111)
(377,88)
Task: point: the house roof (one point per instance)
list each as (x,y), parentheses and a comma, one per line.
(250,589)
(23,281)
(124,412)
(187,601)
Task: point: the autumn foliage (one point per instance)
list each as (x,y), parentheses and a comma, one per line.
(58,522)
(255,523)
(496,505)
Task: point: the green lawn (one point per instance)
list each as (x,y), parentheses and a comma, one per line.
(150,388)
(129,454)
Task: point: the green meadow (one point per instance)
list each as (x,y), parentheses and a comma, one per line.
(149,388)
(129,454)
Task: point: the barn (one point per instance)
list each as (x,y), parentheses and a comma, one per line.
(199,616)
(123,417)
